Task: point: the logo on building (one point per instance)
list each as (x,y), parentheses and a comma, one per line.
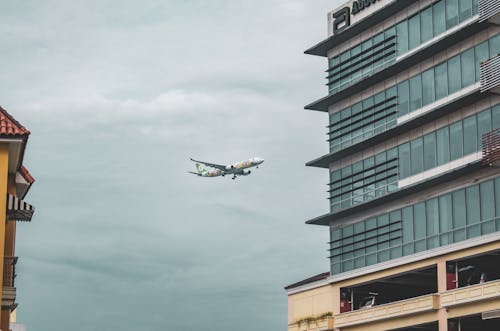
(342,18)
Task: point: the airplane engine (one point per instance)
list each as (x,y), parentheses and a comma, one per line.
(246,173)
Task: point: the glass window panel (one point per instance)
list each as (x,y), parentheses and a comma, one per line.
(391,92)
(415,93)
(419,220)
(417,153)
(426,24)
(459,209)
(474,7)
(441,76)
(483,124)
(432,209)
(430,151)
(408,233)
(428,93)
(454,74)
(497,196)
(402,37)
(403,97)
(482,53)
(468,75)
(404,160)
(470,135)
(414,31)
(456,141)
(451,13)
(445,218)
(487,201)
(465,9)
(439,18)
(443,145)
(473,206)
(496,116)
(495,45)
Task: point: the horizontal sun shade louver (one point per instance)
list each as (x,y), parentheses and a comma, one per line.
(18,210)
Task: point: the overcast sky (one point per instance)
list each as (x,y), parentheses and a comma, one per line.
(118,95)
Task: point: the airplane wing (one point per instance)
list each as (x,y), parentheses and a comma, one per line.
(194,173)
(213,165)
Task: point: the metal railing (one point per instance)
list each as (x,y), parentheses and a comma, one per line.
(9,270)
(490,73)
(491,147)
(487,9)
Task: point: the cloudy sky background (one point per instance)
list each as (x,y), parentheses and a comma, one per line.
(118,95)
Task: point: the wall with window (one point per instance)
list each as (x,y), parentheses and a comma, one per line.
(379,51)
(450,218)
(378,175)
(379,113)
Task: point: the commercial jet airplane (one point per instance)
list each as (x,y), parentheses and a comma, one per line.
(236,169)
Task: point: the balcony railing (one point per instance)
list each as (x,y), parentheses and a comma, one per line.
(9,270)
(391,310)
(491,147)
(490,74)
(489,10)
(472,293)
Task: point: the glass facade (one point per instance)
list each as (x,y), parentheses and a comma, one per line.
(377,52)
(379,113)
(378,175)
(450,218)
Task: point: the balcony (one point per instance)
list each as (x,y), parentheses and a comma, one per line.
(490,75)
(321,323)
(489,10)
(472,293)
(392,310)
(8,289)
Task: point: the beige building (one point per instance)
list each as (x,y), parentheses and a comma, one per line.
(414,169)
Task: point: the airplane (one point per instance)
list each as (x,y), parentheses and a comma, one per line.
(235,169)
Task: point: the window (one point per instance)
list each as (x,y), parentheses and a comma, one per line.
(414,31)
(470,135)
(426,24)
(443,145)
(465,9)
(457,141)
(483,125)
(428,90)
(451,13)
(429,151)
(415,93)
(402,37)
(417,164)
(468,75)
(482,54)
(439,18)
(441,76)
(445,219)
(495,45)
(404,160)
(454,74)
(403,97)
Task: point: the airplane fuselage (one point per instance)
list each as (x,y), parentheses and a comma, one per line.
(235,169)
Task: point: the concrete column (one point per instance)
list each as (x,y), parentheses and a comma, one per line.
(443,319)
(441,275)
(336,300)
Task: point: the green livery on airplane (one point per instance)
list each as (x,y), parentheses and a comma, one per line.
(219,170)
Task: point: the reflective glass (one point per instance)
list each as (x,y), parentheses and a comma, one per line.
(404,160)
(456,141)
(430,151)
(495,45)
(443,145)
(403,97)
(483,124)
(439,18)
(402,37)
(465,9)
(451,13)
(468,75)
(417,151)
(487,201)
(426,24)
(473,207)
(482,53)
(419,221)
(459,209)
(428,89)
(454,74)
(415,93)
(414,31)
(441,76)
(470,135)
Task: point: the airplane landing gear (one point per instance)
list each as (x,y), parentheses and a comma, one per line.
(234,177)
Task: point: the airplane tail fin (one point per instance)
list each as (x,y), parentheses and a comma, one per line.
(200,169)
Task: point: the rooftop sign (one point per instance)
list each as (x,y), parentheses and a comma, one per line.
(352,12)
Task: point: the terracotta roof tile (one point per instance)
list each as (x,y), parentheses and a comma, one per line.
(10,127)
(25,173)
